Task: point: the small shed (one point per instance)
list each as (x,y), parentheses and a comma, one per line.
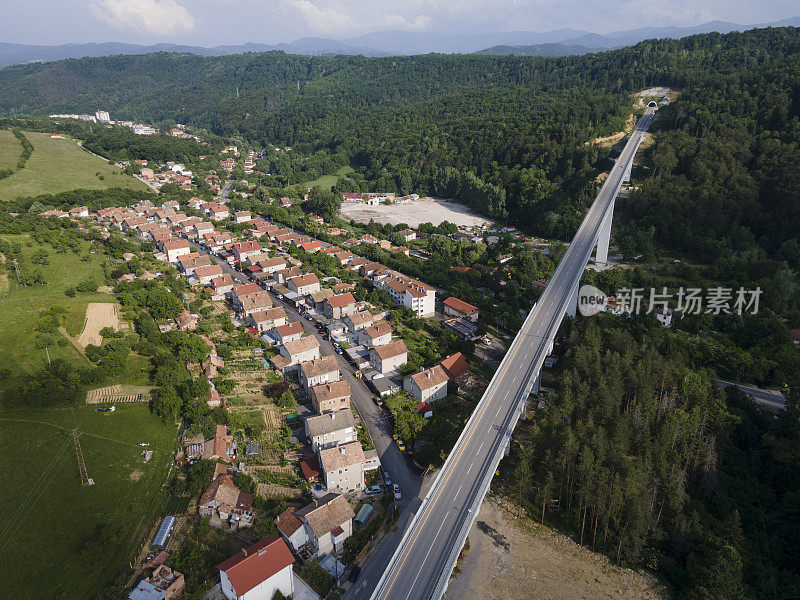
(364,514)
(164,531)
(425,410)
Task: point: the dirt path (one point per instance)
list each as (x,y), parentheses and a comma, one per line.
(610,140)
(519,560)
(98,315)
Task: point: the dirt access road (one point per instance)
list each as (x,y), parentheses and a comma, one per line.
(518,560)
(98,315)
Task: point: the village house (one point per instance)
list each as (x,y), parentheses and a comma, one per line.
(304,285)
(258,571)
(409,235)
(205,275)
(332,396)
(343,467)
(271,265)
(345,257)
(414,295)
(242,290)
(318,298)
(163,584)
(288,332)
(311,247)
(254,302)
(218,212)
(455,307)
(358,320)
(268,319)
(283,276)
(331,429)
(243,250)
(300,351)
(223,285)
(191,261)
(388,357)
(223,499)
(222,446)
(428,385)
(319,370)
(242,216)
(339,306)
(456,367)
(319,528)
(174,249)
(378,334)
(187,321)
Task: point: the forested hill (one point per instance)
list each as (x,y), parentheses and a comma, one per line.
(505,134)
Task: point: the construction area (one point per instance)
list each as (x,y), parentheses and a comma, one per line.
(516,559)
(413,213)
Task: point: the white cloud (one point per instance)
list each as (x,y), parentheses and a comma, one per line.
(340,17)
(149,17)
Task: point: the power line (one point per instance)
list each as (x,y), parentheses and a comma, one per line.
(85,479)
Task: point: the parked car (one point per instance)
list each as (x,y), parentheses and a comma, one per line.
(104,409)
(399,443)
(377,400)
(386,479)
(354,573)
(398,495)
(373,490)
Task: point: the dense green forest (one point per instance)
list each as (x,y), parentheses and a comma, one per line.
(505,134)
(642,457)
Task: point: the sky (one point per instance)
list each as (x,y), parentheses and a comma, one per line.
(213,22)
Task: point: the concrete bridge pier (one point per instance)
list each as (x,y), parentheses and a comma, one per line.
(604,236)
(626,176)
(572,301)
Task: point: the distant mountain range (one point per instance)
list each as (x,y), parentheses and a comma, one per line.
(540,50)
(387,43)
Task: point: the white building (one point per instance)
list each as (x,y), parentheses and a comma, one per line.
(343,467)
(389,357)
(331,429)
(258,571)
(427,385)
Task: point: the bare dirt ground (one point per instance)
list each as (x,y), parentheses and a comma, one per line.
(611,140)
(424,210)
(512,559)
(98,315)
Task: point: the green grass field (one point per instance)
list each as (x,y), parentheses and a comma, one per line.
(52,520)
(326,181)
(10,149)
(21,305)
(58,165)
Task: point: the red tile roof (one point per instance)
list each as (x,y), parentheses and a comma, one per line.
(455,365)
(341,300)
(257,563)
(460,305)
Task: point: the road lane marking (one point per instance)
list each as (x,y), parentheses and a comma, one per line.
(459,490)
(424,560)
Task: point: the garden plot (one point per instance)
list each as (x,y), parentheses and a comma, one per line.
(98,316)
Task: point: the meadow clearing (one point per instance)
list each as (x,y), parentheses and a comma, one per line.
(57,165)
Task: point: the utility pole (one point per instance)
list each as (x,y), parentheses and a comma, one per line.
(16,267)
(85,479)
(48,354)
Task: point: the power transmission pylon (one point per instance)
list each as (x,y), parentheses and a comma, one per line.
(16,266)
(85,479)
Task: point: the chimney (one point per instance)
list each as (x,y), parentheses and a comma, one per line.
(343,450)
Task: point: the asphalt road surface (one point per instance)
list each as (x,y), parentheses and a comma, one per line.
(421,560)
(768,398)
